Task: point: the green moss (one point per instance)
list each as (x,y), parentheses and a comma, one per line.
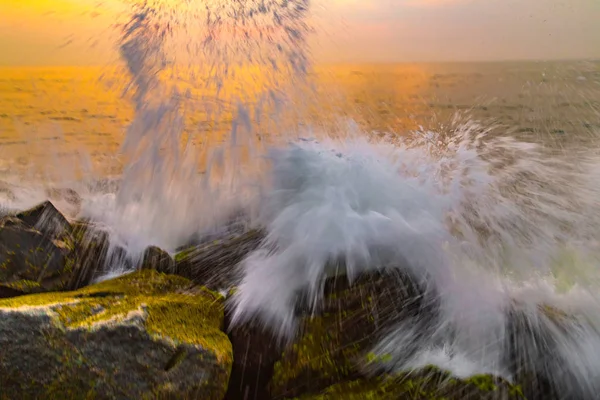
(317,350)
(330,347)
(430,383)
(180,326)
(24,285)
(170,309)
(483,382)
(184,254)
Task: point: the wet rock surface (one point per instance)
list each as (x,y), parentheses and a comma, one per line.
(214,264)
(145,335)
(46,219)
(536,346)
(428,383)
(154,335)
(157,259)
(255,352)
(31,261)
(333,346)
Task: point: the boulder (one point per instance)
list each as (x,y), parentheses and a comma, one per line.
(255,351)
(214,264)
(426,384)
(41,251)
(333,345)
(92,248)
(157,259)
(95,255)
(46,219)
(31,261)
(144,335)
(537,338)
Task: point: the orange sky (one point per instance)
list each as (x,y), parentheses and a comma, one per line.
(75,32)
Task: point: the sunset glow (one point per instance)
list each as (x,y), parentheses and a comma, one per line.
(78,32)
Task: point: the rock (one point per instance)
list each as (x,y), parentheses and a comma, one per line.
(255,351)
(334,345)
(427,384)
(31,261)
(145,335)
(536,341)
(92,250)
(215,264)
(158,260)
(7,292)
(46,219)
(94,255)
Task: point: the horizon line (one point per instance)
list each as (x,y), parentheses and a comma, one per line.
(329,63)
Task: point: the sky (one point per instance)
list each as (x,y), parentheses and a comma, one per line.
(78,32)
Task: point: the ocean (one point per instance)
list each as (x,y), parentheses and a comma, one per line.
(71,112)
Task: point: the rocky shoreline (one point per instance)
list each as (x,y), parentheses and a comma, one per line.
(164,330)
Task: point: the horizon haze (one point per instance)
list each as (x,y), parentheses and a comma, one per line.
(79,32)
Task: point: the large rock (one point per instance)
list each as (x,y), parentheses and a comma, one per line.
(91,254)
(546,353)
(31,261)
(255,351)
(214,264)
(427,384)
(46,219)
(41,251)
(144,335)
(333,346)
(157,259)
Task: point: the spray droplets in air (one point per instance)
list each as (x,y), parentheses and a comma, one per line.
(479,221)
(194,65)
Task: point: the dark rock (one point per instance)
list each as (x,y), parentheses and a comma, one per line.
(30,261)
(255,351)
(158,260)
(92,250)
(333,345)
(147,335)
(215,264)
(46,219)
(534,356)
(8,292)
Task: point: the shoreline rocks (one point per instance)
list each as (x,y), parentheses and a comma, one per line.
(164,332)
(30,261)
(144,335)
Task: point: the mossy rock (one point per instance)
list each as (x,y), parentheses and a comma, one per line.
(142,336)
(157,259)
(427,384)
(30,261)
(536,338)
(333,346)
(94,255)
(46,219)
(214,264)
(91,253)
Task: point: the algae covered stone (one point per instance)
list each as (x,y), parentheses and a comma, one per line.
(428,383)
(214,264)
(47,219)
(30,261)
(332,345)
(142,336)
